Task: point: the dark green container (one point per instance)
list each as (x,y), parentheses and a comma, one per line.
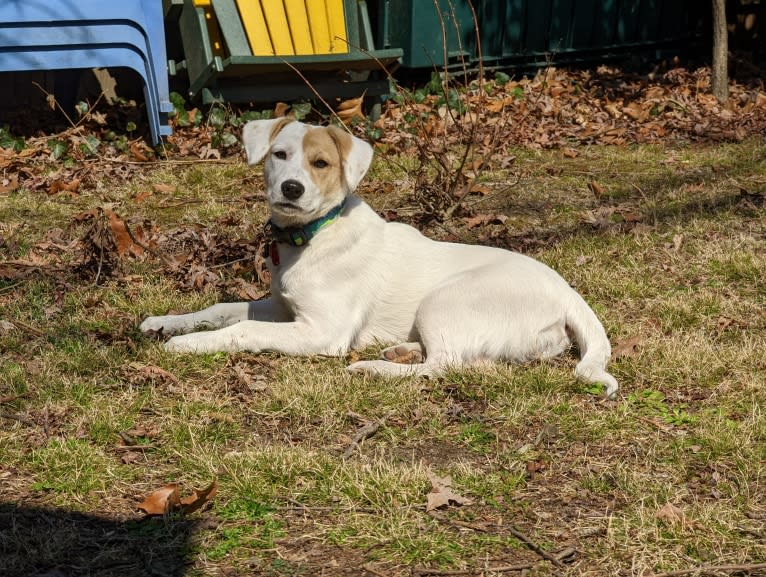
(535,32)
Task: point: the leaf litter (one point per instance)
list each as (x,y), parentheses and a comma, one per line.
(554,109)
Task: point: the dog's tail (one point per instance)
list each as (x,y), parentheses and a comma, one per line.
(595,351)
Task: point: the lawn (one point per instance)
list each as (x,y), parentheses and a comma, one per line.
(666,240)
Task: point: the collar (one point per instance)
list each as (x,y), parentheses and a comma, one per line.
(301,235)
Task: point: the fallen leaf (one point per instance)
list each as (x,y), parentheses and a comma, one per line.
(122,236)
(280,109)
(199,498)
(350,109)
(168,499)
(596,189)
(58,186)
(9,184)
(628,347)
(442,495)
(166,188)
(569,152)
(138,153)
(724,323)
(670,514)
(162,501)
(483,218)
(152,373)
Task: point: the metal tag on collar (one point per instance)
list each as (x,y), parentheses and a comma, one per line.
(298,237)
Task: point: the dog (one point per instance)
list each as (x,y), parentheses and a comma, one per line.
(344,278)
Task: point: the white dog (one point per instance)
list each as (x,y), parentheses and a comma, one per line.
(343,278)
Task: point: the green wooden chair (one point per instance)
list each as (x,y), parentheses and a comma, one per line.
(249,50)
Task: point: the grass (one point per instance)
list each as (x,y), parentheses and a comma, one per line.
(535,451)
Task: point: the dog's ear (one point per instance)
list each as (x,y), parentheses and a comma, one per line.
(257,136)
(356,155)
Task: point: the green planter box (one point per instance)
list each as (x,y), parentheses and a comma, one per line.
(530,33)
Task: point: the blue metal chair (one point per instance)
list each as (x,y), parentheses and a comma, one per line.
(75,34)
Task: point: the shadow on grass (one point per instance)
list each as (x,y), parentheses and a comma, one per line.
(40,542)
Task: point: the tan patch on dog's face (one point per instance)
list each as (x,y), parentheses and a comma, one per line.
(323,156)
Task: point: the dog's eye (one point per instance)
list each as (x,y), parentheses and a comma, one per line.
(319,163)
(280,154)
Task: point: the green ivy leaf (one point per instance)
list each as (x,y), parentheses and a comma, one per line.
(301,110)
(58,148)
(217,117)
(82,108)
(90,145)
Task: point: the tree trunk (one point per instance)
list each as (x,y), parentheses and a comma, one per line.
(720,73)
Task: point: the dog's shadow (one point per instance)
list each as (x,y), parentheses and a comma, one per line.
(47,542)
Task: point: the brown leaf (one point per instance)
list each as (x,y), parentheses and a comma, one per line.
(484,218)
(58,186)
(628,347)
(481,189)
(280,109)
(166,188)
(670,514)
(199,498)
(569,152)
(138,153)
(442,495)
(122,237)
(168,499)
(350,109)
(152,373)
(9,184)
(596,189)
(162,501)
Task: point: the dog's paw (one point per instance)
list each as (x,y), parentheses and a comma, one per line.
(363,367)
(187,344)
(154,325)
(405,353)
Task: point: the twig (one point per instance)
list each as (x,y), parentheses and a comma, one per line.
(169,161)
(51,98)
(370,569)
(11,398)
(712,569)
(363,433)
(28,328)
(10,287)
(535,547)
(479,570)
(319,96)
(19,418)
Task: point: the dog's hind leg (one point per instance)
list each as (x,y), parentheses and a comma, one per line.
(389,369)
(408,353)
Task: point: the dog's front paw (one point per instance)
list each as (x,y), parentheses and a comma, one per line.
(153,325)
(186,344)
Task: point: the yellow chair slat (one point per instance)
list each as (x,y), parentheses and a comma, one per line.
(320,27)
(279,29)
(254,22)
(290,27)
(336,19)
(300,31)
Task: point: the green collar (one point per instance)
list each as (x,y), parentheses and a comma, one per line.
(301,235)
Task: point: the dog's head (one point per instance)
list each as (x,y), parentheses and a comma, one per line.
(308,169)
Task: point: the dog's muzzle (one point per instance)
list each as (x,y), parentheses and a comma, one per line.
(292,189)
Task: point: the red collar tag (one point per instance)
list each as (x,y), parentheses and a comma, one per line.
(274,253)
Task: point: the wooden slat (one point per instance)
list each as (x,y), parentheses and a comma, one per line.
(279,29)
(257,31)
(336,18)
(320,29)
(300,32)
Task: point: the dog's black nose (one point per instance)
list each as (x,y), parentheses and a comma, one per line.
(292,189)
